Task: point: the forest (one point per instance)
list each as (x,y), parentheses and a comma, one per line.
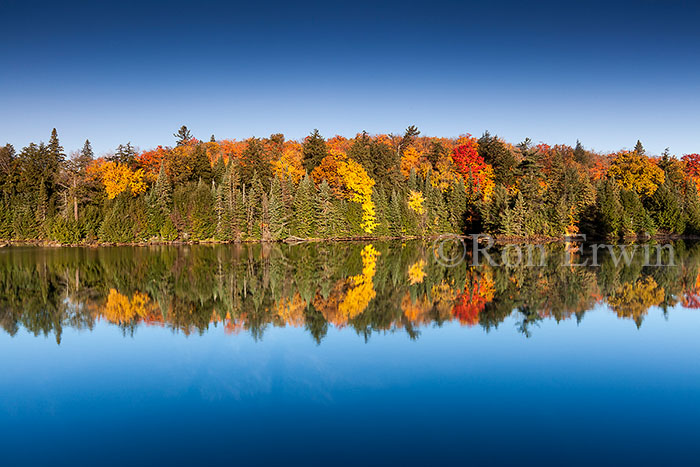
(367,186)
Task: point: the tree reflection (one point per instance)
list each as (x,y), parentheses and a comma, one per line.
(378,287)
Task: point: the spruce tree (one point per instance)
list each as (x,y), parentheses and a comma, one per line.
(202,215)
(492,210)
(665,209)
(162,192)
(219,170)
(305,209)
(314,150)
(201,166)
(278,211)
(609,208)
(396,220)
(381,209)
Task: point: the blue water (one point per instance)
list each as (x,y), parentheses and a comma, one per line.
(601,392)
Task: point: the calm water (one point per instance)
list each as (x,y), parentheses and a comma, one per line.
(364,354)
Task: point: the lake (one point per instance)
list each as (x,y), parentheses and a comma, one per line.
(347,353)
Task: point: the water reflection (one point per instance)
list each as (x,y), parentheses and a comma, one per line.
(368,288)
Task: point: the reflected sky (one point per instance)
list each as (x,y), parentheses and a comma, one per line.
(597,389)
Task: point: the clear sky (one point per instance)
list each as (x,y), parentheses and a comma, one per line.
(606,73)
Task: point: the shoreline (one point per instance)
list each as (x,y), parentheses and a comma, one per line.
(498,240)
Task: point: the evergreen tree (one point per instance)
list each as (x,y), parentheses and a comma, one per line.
(201,166)
(665,209)
(492,210)
(162,192)
(182,136)
(639,149)
(581,155)
(609,208)
(124,154)
(396,220)
(328,217)
(202,215)
(437,152)
(381,208)
(314,150)
(691,207)
(255,160)
(496,153)
(305,209)
(278,211)
(55,149)
(219,170)
(457,206)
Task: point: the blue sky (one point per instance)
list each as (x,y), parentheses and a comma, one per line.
(606,73)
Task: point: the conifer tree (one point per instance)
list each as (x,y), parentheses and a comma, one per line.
(609,208)
(305,209)
(162,192)
(381,208)
(314,150)
(201,167)
(219,170)
(182,135)
(278,211)
(202,216)
(396,220)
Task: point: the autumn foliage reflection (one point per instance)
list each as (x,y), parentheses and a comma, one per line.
(378,287)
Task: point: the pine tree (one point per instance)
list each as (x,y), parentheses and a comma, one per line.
(314,150)
(581,155)
(496,153)
(691,207)
(219,170)
(305,209)
(381,209)
(162,192)
(457,206)
(278,212)
(665,209)
(239,214)
(396,219)
(639,149)
(182,135)
(254,208)
(124,154)
(201,167)
(609,208)
(55,148)
(492,210)
(518,217)
(202,215)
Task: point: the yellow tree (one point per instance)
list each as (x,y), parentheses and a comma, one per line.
(350,180)
(634,171)
(290,163)
(359,185)
(118,178)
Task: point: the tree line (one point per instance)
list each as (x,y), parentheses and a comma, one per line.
(404,185)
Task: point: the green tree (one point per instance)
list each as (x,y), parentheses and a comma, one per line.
(305,209)
(182,135)
(314,150)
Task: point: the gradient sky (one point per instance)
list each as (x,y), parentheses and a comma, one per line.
(603,72)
